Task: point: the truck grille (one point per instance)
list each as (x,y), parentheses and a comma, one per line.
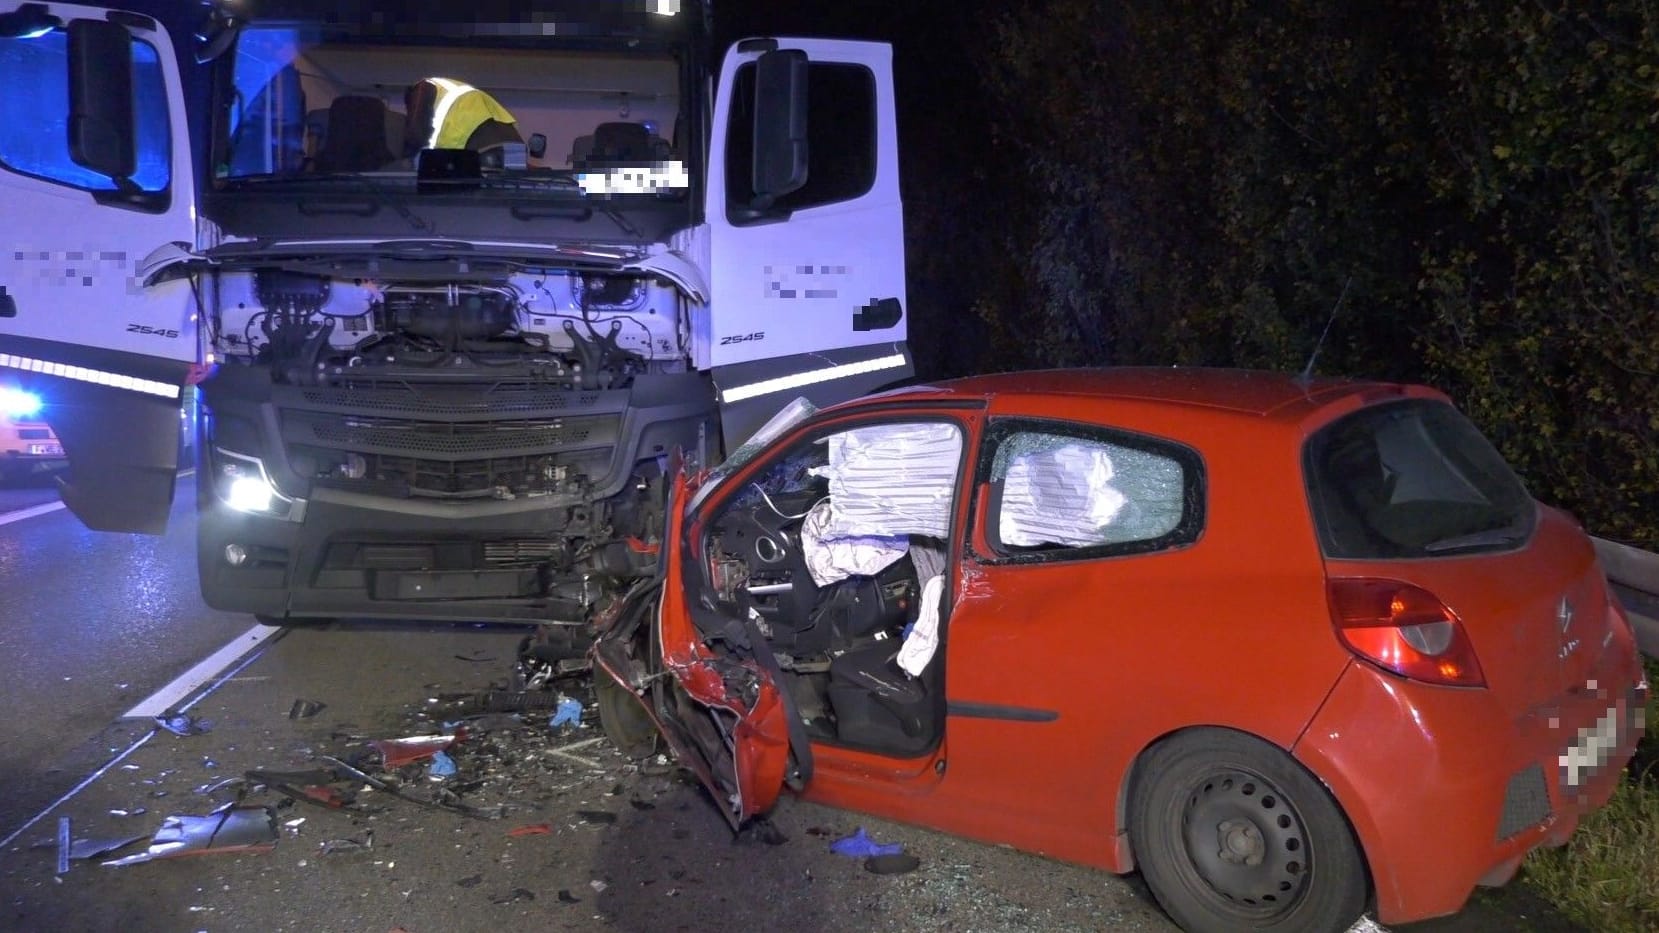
(448,439)
(494,402)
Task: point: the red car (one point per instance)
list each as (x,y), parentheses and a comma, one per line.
(1294,650)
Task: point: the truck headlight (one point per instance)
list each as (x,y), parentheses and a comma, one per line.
(242,483)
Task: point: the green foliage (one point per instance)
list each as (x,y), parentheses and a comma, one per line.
(1201,182)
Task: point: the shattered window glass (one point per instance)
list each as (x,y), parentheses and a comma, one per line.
(1076,492)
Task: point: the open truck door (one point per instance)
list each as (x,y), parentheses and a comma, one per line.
(95,177)
(806,228)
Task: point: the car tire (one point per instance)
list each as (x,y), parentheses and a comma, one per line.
(1231,833)
(625,722)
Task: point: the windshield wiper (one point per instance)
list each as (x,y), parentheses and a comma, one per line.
(1476,540)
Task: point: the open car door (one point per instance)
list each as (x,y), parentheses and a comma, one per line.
(721,712)
(806,228)
(95,176)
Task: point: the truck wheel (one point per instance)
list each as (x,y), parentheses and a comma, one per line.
(1231,833)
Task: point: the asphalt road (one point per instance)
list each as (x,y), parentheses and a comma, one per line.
(95,623)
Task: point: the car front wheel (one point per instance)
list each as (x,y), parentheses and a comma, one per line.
(1232,834)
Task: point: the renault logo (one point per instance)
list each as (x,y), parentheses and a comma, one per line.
(1564,614)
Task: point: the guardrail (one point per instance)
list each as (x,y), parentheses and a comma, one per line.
(1634,574)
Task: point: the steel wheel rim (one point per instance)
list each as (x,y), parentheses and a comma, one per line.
(1245,842)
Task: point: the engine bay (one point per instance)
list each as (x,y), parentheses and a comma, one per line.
(575,329)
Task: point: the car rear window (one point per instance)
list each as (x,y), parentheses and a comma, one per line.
(1412,479)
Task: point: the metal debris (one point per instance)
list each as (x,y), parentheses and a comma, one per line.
(229,829)
(359,843)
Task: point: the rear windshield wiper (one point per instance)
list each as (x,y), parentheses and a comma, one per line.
(1491,538)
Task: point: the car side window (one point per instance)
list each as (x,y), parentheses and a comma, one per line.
(1064,491)
(34,115)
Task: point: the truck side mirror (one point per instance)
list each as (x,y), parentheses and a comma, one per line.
(102,134)
(780,158)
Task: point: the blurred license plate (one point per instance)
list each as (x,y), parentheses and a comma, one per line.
(46,450)
(1585,758)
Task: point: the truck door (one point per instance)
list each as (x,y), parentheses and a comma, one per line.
(95,175)
(806,228)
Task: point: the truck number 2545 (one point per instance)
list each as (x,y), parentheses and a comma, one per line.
(742,338)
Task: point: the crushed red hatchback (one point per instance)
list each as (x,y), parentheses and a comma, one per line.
(1294,650)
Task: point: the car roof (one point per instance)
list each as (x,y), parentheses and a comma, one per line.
(1260,393)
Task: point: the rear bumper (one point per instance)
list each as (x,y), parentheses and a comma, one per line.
(1447,790)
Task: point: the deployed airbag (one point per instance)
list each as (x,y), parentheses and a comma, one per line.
(892,479)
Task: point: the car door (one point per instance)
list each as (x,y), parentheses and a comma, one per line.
(793,618)
(1079,556)
(95,176)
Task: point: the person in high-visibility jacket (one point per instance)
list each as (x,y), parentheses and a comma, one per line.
(449,114)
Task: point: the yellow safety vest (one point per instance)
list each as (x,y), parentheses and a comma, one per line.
(459,111)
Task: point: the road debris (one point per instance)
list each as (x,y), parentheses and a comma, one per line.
(359,843)
(183,724)
(305,709)
(395,753)
(534,829)
(229,829)
(860,845)
(441,766)
(567,713)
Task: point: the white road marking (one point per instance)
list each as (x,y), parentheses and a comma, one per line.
(30,512)
(79,787)
(138,743)
(166,699)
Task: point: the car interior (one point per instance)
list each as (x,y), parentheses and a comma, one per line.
(837,641)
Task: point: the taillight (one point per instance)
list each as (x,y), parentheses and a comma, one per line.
(1404,629)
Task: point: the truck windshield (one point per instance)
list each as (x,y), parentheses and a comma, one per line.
(301,104)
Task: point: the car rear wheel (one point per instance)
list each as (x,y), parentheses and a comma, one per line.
(1231,834)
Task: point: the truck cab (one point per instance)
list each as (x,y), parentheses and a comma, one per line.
(453,293)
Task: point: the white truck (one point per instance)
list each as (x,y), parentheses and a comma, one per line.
(453,293)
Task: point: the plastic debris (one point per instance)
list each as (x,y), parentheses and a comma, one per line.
(598,886)
(534,829)
(442,766)
(230,829)
(568,713)
(128,811)
(63,844)
(395,753)
(305,709)
(183,724)
(860,845)
(360,843)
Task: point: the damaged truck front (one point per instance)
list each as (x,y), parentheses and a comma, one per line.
(452,293)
